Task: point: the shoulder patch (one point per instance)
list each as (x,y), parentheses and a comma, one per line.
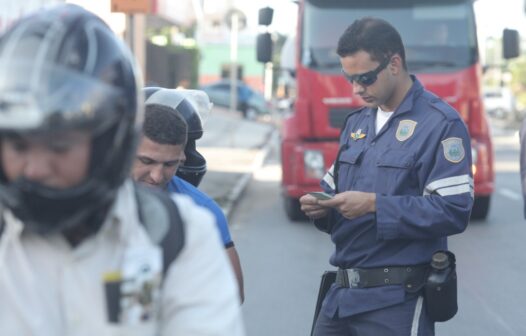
(405,129)
(453,149)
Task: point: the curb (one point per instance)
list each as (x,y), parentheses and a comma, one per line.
(238,189)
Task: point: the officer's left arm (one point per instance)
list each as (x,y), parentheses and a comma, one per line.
(444,206)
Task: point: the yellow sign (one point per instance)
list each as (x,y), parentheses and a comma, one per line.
(130,6)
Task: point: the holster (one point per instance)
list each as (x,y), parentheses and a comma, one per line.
(440,292)
(327,279)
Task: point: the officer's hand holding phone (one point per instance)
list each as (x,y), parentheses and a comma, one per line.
(311,208)
(351,204)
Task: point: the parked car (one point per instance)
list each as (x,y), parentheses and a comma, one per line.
(250,102)
(500,103)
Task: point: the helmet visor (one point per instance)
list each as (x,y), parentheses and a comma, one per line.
(42,98)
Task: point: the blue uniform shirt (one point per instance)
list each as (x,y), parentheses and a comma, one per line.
(180,186)
(419,166)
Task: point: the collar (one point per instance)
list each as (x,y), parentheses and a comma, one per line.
(13,227)
(123,214)
(407,103)
(120,224)
(405,106)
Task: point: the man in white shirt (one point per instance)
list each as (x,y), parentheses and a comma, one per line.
(75,255)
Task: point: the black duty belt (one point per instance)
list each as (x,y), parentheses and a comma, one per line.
(412,277)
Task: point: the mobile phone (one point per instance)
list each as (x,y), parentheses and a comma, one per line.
(321,195)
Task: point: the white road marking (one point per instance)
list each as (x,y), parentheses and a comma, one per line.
(510,194)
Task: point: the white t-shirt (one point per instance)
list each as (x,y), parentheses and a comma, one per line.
(381,118)
(48,288)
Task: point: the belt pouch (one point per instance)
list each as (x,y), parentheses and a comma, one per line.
(441,287)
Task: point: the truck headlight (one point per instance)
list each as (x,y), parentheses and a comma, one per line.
(474,157)
(314,164)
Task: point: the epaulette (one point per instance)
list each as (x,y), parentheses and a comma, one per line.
(442,106)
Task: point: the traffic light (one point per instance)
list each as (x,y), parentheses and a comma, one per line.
(265,16)
(510,43)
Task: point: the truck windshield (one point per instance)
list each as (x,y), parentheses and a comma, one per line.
(438,35)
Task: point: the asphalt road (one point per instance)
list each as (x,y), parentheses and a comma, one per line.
(283,261)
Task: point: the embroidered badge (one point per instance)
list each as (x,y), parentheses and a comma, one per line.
(357,135)
(454,149)
(405,129)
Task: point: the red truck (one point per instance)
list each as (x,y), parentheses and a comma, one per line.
(441,50)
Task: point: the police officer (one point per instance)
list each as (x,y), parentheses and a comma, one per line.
(401,183)
(75,254)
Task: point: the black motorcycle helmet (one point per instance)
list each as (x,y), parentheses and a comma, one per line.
(62,68)
(194,167)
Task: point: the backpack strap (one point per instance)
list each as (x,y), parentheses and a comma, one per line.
(162,221)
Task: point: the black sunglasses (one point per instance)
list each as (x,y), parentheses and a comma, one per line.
(367,78)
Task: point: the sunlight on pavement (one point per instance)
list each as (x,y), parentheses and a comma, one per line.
(224,159)
(507,166)
(507,140)
(268,173)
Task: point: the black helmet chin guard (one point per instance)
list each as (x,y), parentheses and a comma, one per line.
(194,168)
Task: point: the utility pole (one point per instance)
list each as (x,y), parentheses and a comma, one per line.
(234,28)
(130,31)
(135,24)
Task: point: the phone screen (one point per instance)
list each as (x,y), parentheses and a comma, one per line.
(321,195)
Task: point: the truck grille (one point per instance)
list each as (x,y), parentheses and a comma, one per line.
(337,115)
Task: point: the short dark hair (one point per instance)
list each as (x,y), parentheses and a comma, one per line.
(375,36)
(164,125)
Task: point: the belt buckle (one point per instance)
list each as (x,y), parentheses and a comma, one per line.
(354,278)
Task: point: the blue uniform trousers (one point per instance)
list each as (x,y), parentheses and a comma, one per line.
(406,319)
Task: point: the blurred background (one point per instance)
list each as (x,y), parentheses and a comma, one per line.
(212,45)
(190,43)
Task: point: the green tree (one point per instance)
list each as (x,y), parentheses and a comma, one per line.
(517,68)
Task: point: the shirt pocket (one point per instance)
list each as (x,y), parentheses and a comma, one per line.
(395,172)
(348,167)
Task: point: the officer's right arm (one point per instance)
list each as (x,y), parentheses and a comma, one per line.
(200,294)
(444,207)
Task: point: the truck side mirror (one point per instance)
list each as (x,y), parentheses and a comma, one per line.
(510,43)
(264,48)
(265,16)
